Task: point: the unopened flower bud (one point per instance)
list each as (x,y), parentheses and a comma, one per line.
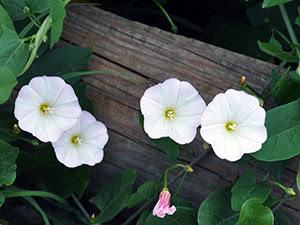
(31,46)
(188,169)
(298,70)
(243,82)
(45,38)
(16,129)
(205,146)
(92,218)
(290,191)
(35,142)
(26,10)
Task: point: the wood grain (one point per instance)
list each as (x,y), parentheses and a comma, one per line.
(148,55)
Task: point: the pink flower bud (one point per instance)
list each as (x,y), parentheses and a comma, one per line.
(162,207)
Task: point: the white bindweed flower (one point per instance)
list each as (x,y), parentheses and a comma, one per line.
(233,123)
(172,109)
(46,107)
(83,143)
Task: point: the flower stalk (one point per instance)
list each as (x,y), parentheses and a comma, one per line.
(289,191)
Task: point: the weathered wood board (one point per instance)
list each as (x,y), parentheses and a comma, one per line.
(149,55)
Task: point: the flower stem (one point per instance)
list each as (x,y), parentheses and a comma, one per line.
(169,169)
(180,184)
(173,26)
(81,207)
(290,30)
(289,191)
(288,24)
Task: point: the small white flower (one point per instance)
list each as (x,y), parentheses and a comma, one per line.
(233,123)
(46,107)
(172,109)
(83,143)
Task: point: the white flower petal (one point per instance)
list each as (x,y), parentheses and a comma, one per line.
(66,96)
(48,87)
(61,107)
(213,133)
(171,89)
(182,132)
(217,111)
(241,104)
(156,126)
(191,111)
(90,150)
(246,144)
(30,122)
(244,112)
(90,155)
(177,96)
(257,117)
(227,148)
(254,133)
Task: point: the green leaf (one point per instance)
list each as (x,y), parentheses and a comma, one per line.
(8,157)
(254,213)
(182,216)
(166,144)
(283,125)
(114,195)
(57,14)
(5,19)
(281,218)
(142,218)
(7,83)
(298,176)
(181,202)
(59,61)
(270,3)
(145,192)
(274,168)
(216,209)
(273,48)
(246,188)
(270,202)
(84,101)
(15,8)
(14,52)
(287,91)
(2,199)
(51,175)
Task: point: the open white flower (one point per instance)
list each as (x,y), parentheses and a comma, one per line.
(233,123)
(46,107)
(172,109)
(83,143)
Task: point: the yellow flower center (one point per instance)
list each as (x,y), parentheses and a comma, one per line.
(76,139)
(230,126)
(45,109)
(170,114)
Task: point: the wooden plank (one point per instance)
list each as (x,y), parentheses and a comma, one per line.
(149,55)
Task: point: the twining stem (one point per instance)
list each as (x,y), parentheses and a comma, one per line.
(167,171)
(34,21)
(81,207)
(173,180)
(290,29)
(288,24)
(174,27)
(180,184)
